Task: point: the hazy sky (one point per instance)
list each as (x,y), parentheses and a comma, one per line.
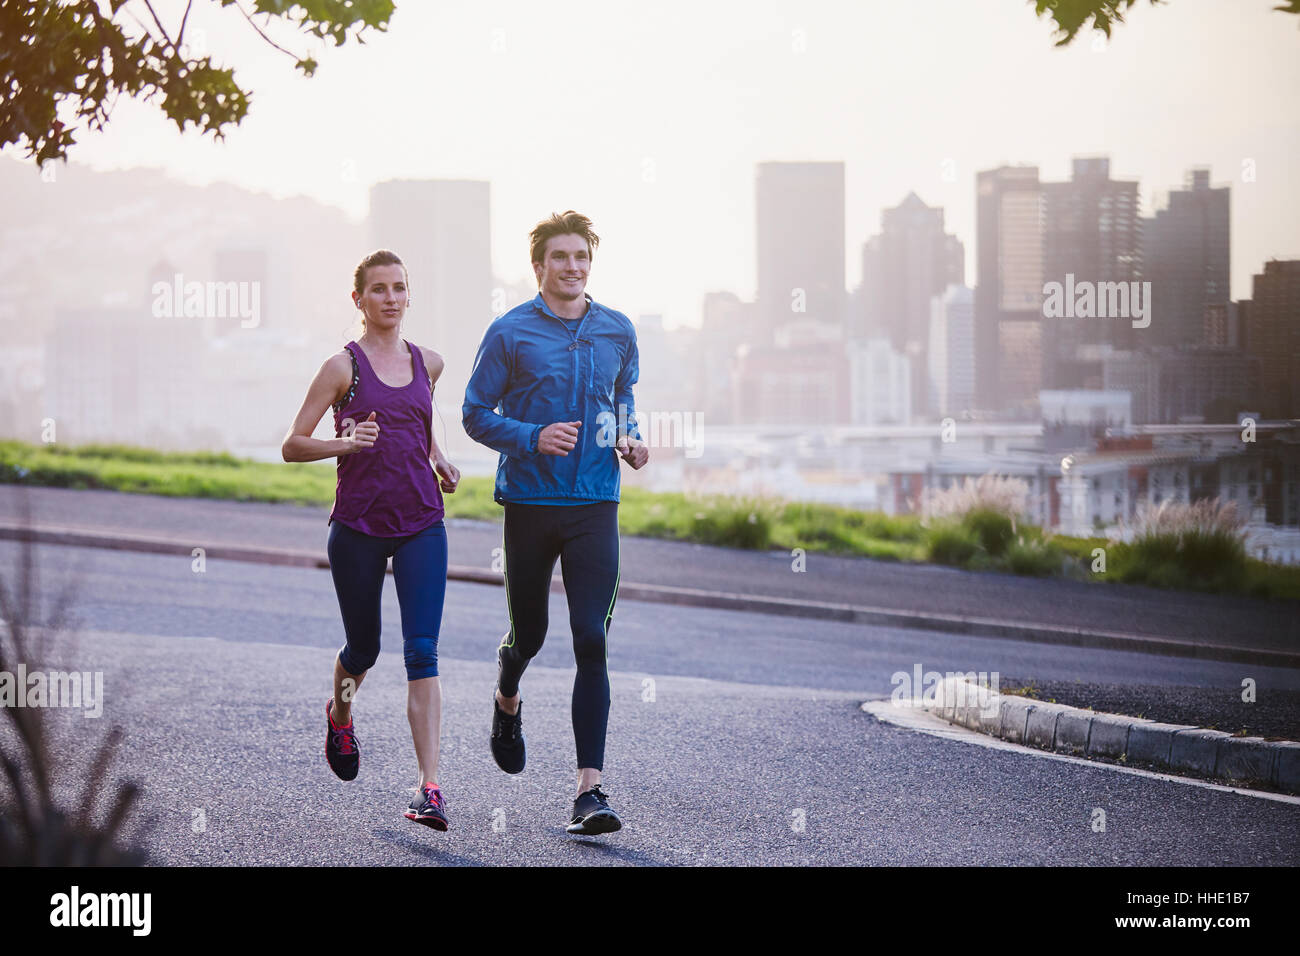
(650,118)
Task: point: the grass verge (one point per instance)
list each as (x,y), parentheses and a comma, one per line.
(981,539)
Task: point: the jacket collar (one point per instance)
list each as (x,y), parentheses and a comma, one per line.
(540,305)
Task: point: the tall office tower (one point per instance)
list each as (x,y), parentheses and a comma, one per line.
(1185,256)
(1009,290)
(1272,334)
(903,268)
(800,245)
(440,229)
(951,353)
(727,323)
(1092,232)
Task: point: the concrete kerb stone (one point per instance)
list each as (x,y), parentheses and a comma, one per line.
(990,721)
(1196,750)
(1072,731)
(1059,727)
(1246,758)
(962,702)
(1108,735)
(971,702)
(1015,717)
(1040,730)
(1286,770)
(1150,742)
(946,699)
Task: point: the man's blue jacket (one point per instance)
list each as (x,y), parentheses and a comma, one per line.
(534,368)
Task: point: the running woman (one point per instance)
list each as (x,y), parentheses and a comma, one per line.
(388,504)
(560,369)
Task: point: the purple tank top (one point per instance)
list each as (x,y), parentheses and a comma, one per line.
(390,489)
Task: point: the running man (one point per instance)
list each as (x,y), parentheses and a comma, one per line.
(388,503)
(560,369)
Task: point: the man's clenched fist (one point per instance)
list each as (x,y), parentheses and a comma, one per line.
(559,438)
(633,451)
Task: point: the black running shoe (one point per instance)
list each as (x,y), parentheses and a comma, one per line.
(507,737)
(342,749)
(591,814)
(428,808)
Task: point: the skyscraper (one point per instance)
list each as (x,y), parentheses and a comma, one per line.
(727,323)
(951,354)
(903,268)
(800,244)
(1091,232)
(1008,295)
(1273,336)
(1186,256)
(440,228)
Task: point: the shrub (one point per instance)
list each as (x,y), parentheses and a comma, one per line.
(733,522)
(996,493)
(951,544)
(1199,545)
(992,529)
(1035,556)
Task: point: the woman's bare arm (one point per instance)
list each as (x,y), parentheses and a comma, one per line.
(330,384)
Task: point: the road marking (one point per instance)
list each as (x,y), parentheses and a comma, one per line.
(913,719)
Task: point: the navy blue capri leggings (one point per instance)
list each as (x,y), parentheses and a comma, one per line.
(358,563)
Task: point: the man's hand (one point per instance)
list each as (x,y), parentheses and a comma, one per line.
(559,438)
(448,474)
(633,451)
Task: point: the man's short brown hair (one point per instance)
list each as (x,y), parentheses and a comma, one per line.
(560,225)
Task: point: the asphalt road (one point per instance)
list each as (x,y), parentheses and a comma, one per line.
(734,738)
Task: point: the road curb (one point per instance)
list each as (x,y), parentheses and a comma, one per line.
(1176,748)
(692,597)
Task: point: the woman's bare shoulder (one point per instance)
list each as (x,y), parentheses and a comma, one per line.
(433,362)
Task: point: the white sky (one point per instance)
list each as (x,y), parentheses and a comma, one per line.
(651,118)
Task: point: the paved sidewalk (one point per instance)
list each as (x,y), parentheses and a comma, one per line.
(1135,618)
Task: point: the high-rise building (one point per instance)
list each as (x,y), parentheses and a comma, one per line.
(801,381)
(800,244)
(1186,257)
(903,268)
(1186,383)
(1009,287)
(1272,334)
(951,353)
(441,231)
(727,324)
(880,389)
(1093,233)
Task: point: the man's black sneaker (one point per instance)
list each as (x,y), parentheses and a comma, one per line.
(428,808)
(591,814)
(342,750)
(507,737)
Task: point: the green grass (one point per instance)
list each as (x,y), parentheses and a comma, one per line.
(980,540)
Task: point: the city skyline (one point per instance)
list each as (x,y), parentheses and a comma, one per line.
(778,84)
